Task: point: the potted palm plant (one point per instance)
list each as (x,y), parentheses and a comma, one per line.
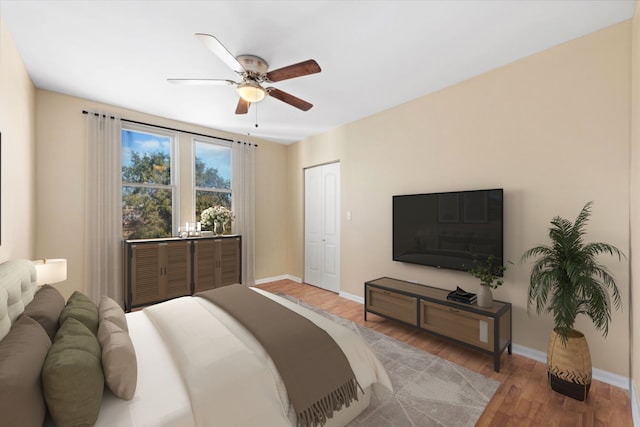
(567,280)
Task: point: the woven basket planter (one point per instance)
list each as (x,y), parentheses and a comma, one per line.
(569,365)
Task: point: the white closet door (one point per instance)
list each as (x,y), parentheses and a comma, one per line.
(322,226)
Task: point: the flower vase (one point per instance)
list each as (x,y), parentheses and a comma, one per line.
(226,227)
(217,228)
(485,296)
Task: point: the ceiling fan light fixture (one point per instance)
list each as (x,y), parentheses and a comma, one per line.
(251,91)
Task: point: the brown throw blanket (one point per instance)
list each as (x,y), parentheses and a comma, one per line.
(315,371)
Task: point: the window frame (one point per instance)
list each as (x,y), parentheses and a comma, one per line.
(174,184)
(213,141)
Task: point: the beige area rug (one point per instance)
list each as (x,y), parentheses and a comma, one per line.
(427,390)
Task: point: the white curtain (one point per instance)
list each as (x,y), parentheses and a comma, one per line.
(103,208)
(243,201)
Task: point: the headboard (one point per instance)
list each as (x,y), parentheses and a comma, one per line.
(17,287)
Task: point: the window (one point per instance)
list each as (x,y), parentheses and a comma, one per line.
(212,166)
(148,185)
(157,193)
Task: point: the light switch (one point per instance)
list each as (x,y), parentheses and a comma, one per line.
(348,215)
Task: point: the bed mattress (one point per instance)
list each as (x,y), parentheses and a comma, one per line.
(161,398)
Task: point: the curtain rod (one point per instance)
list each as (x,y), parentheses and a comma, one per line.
(172,129)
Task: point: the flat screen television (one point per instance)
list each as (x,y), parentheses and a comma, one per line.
(446,230)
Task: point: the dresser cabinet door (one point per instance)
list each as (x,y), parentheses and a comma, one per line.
(217,263)
(204,265)
(470,328)
(177,272)
(392,304)
(229,261)
(145,274)
(159,271)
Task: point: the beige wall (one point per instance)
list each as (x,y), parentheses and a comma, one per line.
(17,125)
(551,129)
(60,182)
(271,210)
(634,355)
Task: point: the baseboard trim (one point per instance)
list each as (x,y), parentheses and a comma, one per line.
(276,278)
(610,378)
(352,297)
(635,408)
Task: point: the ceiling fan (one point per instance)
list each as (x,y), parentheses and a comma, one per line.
(253,71)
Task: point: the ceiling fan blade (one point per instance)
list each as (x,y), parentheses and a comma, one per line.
(243,106)
(289,99)
(221,52)
(211,82)
(296,70)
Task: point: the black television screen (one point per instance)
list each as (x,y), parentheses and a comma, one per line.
(446,230)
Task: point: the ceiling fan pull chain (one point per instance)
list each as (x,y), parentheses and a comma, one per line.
(256,115)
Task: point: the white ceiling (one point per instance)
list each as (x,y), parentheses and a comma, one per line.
(374,54)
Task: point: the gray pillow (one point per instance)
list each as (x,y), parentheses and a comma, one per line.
(45,308)
(111,310)
(72,378)
(119,361)
(22,353)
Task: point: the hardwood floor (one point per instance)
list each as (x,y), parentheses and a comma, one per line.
(524,397)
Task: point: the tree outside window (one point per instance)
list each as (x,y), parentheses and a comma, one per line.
(148,189)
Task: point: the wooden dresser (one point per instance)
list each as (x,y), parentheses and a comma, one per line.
(156,270)
(427,308)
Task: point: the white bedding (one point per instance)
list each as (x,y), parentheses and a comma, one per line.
(198,366)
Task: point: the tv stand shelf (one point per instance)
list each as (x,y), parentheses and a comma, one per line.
(427,308)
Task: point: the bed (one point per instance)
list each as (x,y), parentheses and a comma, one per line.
(193,363)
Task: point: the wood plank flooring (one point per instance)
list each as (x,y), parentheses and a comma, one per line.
(524,397)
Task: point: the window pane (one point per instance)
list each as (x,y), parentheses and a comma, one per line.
(146,212)
(205,199)
(212,166)
(146,158)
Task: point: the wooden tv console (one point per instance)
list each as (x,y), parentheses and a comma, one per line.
(485,329)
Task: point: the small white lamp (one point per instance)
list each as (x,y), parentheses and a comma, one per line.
(50,271)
